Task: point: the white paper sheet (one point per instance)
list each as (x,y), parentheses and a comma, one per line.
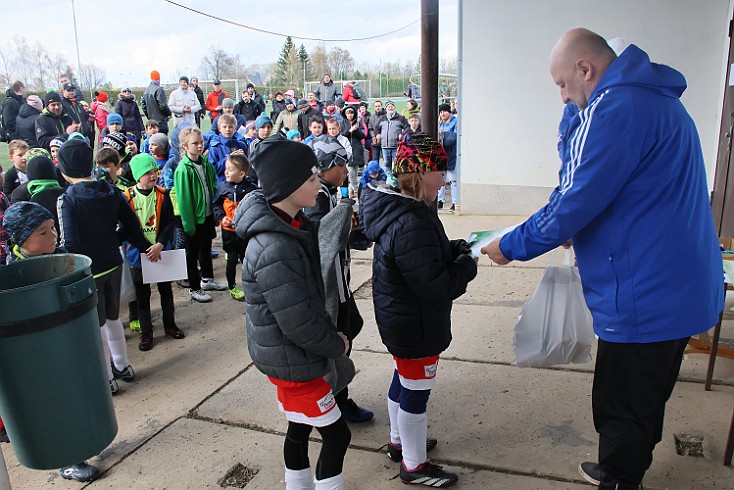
(171,267)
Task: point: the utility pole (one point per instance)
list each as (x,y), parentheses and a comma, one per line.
(429,67)
(78,60)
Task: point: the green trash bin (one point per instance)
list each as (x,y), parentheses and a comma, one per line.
(55,397)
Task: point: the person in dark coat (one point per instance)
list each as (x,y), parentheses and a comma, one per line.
(202,101)
(42,186)
(132,121)
(248,108)
(414,284)
(53,122)
(355,130)
(11,106)
(278,105)
(25,123)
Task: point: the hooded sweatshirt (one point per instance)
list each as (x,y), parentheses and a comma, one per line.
(633,197)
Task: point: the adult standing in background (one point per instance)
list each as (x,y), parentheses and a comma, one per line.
(327,91)
(132,121)
(447,136)
(374,126)
(78,94)
(25,123)
(183,103)
(214,100)
(255,97)
(11,107)
(200,97)
(74,109)
(155,105)
(632,177)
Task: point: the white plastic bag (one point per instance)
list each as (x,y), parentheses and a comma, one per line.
(555,325)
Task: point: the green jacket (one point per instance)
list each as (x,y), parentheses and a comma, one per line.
(190,193)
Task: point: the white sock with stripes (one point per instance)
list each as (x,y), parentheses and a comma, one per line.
(116,341)
(331,483)
(413,432)
(107,356)
(392,410)
(298,479)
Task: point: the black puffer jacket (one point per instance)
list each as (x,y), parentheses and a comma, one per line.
(289,335)
(416,273)
(25,125)
(131,118)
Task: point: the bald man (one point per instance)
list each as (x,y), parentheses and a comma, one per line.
(633,198)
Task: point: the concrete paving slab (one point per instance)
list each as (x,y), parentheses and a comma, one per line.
(526,421)
(199,453)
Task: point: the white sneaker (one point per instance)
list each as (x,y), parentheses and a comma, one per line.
(212,285)
(199,296)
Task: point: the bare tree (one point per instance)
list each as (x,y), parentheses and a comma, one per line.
(23,66)
(6,62)
(40,58)
(91,77)
(57,65)
(215,62)
(341,62)
(319,61)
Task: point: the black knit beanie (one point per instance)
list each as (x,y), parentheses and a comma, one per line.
(282,166)
(76,158)
(41,168)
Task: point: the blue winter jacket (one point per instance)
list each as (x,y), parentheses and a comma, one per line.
(219,148)
(633,197)
(448,131)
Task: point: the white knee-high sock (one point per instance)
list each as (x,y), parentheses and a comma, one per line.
(331,483)
(298,479)
(413,432)
(116,341)
(107,356)
(392,411)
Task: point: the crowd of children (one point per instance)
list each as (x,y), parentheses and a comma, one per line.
(275,198)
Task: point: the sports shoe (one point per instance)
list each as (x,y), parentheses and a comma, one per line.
(212,285)
(396,453)
(237,293)
(135,325)
(453,207)
(429,474)
(199,296)
(79,472)
(114,387)
(127,374)
(440,205)
(146,342)
(214,254)
(184,283)
(174,332)
(354,413)
(591,472)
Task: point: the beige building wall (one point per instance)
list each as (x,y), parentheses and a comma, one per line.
(510,107)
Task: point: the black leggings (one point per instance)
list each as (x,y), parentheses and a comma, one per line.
(336,439)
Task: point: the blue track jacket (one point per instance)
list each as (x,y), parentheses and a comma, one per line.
(633,197)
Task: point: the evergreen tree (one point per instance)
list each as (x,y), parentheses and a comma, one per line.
(304,59)
(286,56)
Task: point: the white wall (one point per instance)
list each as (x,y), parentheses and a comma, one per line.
(510,107)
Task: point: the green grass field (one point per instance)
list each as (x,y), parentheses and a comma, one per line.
(205,126)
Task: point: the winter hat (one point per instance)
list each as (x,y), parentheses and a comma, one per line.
(329,102)
(160,139)
(141,164)
(51,97)
(154,75)
(57,142)
(290,93)
(37,152)
(262,120)
(444,107)
(41,167)
(250,125)
(116,141)
(22,219)
(302,103)
(283,166)
(419,154)
(329,152)
(339,102)
(292,133)
(389,102)
(227,102)
(35,102)
(114,117)
(289,101)
(250,85)
(102,96)
(76,158)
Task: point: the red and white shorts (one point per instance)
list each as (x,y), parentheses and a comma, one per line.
(417,374)
(308,402)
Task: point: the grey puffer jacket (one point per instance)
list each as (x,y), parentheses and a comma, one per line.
(289,335)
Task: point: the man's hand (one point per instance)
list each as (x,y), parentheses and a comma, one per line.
(73,127)
(226,221)
(187,108)
(154,252)
(494,253)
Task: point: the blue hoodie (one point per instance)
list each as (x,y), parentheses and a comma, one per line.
(633,197)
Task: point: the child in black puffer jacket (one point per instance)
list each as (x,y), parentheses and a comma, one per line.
(416,275)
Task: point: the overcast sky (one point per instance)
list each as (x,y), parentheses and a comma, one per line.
(130,38)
